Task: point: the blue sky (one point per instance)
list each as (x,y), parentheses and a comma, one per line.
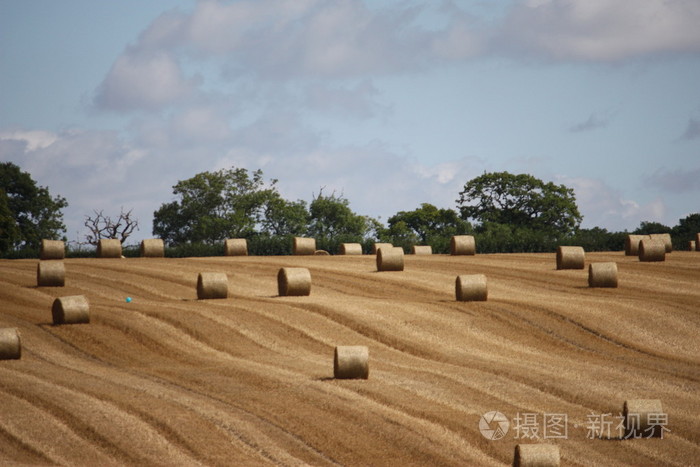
(391,103)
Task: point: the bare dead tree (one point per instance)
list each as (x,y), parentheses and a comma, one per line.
(101,226)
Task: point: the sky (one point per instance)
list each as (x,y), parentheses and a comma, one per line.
(388,103)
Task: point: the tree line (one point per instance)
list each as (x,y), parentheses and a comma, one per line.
(505,212)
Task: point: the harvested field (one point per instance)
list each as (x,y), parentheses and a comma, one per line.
(248,380)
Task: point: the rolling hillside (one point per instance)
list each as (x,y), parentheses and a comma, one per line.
(168,379)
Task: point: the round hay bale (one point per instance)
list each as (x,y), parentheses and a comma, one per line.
(377,246)
(73,309)
(664,238)
(602,275)
(153,248)
(632,244)
(236,247)
(109,248)
(50,274)
(422,250)
(462,245)
(321,253)
(636,414)
(52,249)
(691,245)
(471,288)
(536,455)
(390,259)
(350,249)
(570,257)
(304,246)
(652,250)
(10,344)
(293,282)
(697,242)
(212,285)
(351,362)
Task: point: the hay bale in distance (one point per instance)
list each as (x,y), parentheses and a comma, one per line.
(652,250)
(664,238)
(377,246)
(236,247)
(471,288)
(304,246)
(109,248)
(390,259)
(351,362)
(691,245)
(697,241)
(212,285)
(602,275)
(10,344)
(462,245)
(321,253)
(570,257)
(636,414)
(350,249)
(153,248)
(422,250)
(632,244)
(536,455)
(50,274)
(73,309)
(52,249)
(293,282)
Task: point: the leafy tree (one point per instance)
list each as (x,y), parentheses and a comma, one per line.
(686,230)
(522,201)
(282,217)
(429,222)
(331,217)
(212,206)
(646,228)
(28,213)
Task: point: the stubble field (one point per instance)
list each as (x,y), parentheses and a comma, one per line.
(171,380)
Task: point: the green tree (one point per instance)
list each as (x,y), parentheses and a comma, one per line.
(28,213)
(282,217)
(646,228)
(521,201)
(331,217)
(428,222)
(213,206)
(686,230)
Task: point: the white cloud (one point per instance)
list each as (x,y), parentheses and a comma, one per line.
(143,81)
(32,139)
(676,181)
(604,206)
(600,30)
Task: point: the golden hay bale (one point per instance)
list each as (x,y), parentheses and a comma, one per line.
(570,257)
(471,288)
(350,249)
(602,275)
(50,274)
(304,246)
(10,344)
(664,238)
(536,455)
(52,249)
(321,253)
(377,246)
(632,244)
(422,250)
(652,250)
(212,285)
(697,241)
(390,259)
(153,248)
(236,247)
(109,248)
(351,362)
(691,245)
(637,412)
(73,309)
(293,282)
(462,245)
